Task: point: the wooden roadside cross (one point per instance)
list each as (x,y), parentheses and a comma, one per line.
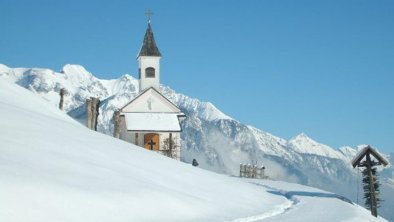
(363,159)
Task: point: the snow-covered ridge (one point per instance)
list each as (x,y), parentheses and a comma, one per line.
(304,144)
(77,75)
(81,84)
(4,69)
(204,110)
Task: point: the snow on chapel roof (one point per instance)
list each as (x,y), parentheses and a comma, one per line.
(164,122)
(149,47)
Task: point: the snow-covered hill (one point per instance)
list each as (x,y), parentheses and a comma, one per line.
(218,142)
(54,169)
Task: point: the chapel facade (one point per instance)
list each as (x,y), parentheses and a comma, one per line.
(150,120)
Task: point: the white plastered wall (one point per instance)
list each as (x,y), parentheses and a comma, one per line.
(130,137)
(145,62)
(151,101)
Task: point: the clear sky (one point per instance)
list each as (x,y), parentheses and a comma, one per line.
(325,67)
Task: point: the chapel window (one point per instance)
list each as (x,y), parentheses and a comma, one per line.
(150,72)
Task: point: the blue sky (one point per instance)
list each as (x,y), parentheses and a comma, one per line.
(325,68)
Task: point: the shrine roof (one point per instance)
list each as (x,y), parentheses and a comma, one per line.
(368,149)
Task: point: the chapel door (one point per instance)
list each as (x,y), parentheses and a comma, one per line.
(151,141)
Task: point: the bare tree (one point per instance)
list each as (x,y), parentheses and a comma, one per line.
(170,148)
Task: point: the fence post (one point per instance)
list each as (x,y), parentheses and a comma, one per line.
(92,112)
(258,173)
(251,171)
(61,93)
(89,113)
(117,124)
(95,111)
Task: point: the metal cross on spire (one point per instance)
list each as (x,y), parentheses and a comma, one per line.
(149,13)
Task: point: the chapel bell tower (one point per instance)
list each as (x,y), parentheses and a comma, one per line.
(150,120)
(149,61)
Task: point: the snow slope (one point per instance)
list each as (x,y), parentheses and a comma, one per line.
(319,205)
(218,142)
(54,169)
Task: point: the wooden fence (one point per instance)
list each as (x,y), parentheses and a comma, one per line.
(252,171)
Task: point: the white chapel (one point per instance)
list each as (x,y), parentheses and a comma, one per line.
(150,120)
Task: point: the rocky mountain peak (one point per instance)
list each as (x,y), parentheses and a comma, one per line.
(76,73)
(304,144)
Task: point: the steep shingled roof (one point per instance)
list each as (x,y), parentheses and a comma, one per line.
(149,47)
(362,153)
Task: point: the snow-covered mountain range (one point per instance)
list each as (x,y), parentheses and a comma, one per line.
(217,141)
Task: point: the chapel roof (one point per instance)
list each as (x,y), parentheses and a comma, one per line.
(149,47)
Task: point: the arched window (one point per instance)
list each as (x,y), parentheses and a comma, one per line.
(150,72)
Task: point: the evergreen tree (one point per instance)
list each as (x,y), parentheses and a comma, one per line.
(367,188)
